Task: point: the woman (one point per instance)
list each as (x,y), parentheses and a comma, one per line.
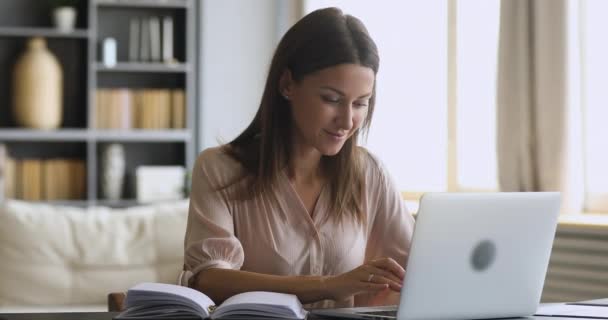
(292,204)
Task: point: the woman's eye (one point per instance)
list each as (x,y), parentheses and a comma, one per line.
(331,99)
(361,104)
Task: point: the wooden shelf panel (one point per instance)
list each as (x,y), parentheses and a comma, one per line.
(43,135)
(141,67)
(42,32)
(143,3)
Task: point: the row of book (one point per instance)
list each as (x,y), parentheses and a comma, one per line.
(49,179)
(140,109)
(151,39)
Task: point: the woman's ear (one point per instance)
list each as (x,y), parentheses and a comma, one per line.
(286,84)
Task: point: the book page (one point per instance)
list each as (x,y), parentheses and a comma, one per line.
(150,294)
(261,304)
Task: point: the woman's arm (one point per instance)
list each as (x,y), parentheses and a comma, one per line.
(374,276)
(221,284)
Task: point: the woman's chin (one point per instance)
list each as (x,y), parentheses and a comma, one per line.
(330,151)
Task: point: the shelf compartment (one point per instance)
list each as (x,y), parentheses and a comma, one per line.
(142,135)
(72,56)
(43,135)
(143,67)
(42,32)
(116,23)
(36,13)
(47,171)
(143,3)
(138,154)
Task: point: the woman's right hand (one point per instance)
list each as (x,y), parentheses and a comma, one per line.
(373,276)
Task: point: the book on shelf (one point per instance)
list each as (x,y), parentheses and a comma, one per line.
(167,40)
(31,173)
(11,179)
(178,109)
(114,109)
(144,34)
(3,158)
(155,44)
(134,34)
(167,301)
(141,109)
(48,179)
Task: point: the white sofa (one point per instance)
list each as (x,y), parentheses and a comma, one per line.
(59,258)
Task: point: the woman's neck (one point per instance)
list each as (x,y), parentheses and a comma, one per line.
(305,165)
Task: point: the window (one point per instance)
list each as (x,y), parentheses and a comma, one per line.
(434,125)
(595,101)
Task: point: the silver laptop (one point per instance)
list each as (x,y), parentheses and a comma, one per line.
(473,256)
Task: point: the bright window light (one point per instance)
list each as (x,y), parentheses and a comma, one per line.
(409,130)
(477,54)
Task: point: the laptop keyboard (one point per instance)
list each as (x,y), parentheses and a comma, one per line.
(390,314)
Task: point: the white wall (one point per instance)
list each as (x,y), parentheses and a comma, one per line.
(237,41)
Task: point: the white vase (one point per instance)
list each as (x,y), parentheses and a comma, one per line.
(37,87)
(64,18)
(113,171)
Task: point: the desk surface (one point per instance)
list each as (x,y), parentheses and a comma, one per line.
(109,315)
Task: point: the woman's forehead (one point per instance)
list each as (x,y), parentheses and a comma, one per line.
(345,78)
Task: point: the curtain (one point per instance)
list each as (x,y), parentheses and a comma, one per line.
(538,101)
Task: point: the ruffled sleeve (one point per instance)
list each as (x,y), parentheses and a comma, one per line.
(210,240)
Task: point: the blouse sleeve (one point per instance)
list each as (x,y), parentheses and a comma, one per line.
(392,225)
(210,240)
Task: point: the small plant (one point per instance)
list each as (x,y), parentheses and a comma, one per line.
(63,3)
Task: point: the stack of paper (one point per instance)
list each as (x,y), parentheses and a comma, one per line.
(573,310)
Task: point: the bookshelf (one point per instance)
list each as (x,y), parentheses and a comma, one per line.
(81,137)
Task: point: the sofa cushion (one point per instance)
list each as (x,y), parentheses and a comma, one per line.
(60,255)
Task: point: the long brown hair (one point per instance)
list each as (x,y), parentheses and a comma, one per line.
(322,39)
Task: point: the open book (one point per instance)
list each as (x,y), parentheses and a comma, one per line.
(168,301)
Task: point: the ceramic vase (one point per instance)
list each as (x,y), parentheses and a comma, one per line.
(64,18)
(113,171)
(37,87)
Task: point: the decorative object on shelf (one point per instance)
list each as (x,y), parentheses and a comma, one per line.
(109,52)
(37,87)
(159,183)
(113,171)
(64,14)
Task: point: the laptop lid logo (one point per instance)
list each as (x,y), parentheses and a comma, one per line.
(483,255)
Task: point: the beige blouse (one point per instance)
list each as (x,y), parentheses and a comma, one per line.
(277,235)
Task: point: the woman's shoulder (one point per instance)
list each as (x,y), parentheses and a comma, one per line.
(373,168)
(217,160)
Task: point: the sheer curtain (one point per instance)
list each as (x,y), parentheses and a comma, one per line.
(538,100)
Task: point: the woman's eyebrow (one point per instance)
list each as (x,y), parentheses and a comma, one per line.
(342,93)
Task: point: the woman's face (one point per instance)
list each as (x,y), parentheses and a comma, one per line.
(328,106)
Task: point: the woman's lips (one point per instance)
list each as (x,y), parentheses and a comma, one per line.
(336,135)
